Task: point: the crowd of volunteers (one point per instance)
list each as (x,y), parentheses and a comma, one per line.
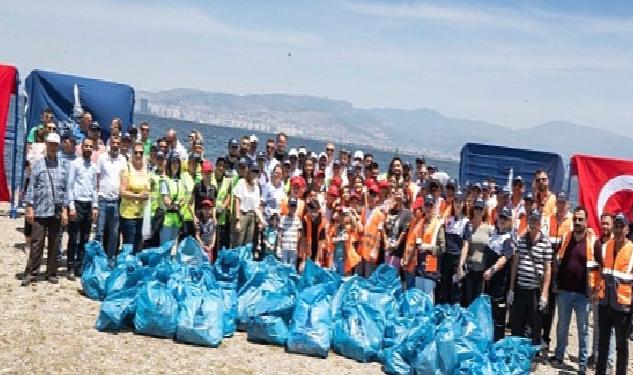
(521,244)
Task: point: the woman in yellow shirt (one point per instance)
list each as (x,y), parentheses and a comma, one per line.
(135,188)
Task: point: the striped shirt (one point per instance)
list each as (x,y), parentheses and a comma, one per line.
(290,227)
(532,256)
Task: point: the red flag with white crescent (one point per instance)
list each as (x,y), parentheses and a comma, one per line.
(604,185)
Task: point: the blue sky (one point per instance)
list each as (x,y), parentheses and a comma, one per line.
(517,64)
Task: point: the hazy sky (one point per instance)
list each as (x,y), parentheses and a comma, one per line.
(517,64)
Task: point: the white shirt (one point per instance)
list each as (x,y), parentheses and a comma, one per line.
(269,165)
(249,197)
(109,171)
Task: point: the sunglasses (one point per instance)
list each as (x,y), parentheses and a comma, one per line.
(329,149)
(541,179)
(270,147)
(578,220)
(138,152)
(144,129)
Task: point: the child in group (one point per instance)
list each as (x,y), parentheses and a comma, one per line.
(342,254)
(290,229)
(205,231)
(270,237)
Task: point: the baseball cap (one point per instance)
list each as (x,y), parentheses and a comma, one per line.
(126,137)
(517,180)
(358,154)
(561,197)
(459,194)
(535,215)
(68,135)
(529,196)
(418,203)
(620,217)
(95,126)
(337,181)
(477,185)
(322,155)
(297,181)
(319,174)
(479,203)
(336,163)
(233,142)
(506,191)
(292,202)
(506,213)
(485,185)
(174,155)
(53,138)
(420,159)
(242,161)
(451,182)
(373,189)
(302,151)
(207,203)
(333,191)
(254,138)
(293,152)
(406,165)
(429,200)
(207,166)
(194,157)
(261,155)
(254,168)
(383,184)
(160,155)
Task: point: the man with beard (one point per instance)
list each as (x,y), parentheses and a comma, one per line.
(280,147)
(545,200)
(82,206)
(223,185)
(233,157)
(577,281)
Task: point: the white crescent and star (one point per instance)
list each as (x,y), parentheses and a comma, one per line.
(614,185)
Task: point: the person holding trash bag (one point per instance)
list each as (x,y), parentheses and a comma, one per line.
(173,197)
(473,261)
(187,183)
(135,188)
(458,236)
(497,256)
(427,273)
(529,283)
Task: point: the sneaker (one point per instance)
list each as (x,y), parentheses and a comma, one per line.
(71,275)
(591,361)
(28,280)
(582,370)
(556,362)
(53,279)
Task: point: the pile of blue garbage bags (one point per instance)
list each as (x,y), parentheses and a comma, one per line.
(373,319)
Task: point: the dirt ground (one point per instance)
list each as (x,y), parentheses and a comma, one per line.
(49,329)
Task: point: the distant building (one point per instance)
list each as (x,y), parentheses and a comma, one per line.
(143,106)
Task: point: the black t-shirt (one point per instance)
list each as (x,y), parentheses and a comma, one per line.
(316,235)
(281,156)
(202,192)
(397,223)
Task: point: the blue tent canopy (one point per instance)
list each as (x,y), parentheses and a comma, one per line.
(105,100)
(479,161)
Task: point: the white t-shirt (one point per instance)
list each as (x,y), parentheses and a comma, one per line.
(249,196)
(109,170)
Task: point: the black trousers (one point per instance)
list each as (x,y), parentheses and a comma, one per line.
(78,235)
(473,285)
(44,227)
(548,316)
(449,291)
(525,310)
(609,318)
(224,236)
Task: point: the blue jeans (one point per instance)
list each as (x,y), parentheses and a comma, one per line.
(426,285)
(580,304)
(131,232)
(596,335)
(108,218)
(339,266)
(169,233)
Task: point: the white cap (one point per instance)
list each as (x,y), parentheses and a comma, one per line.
(293,152)
(53,138)
(322,155)
(313,155)
(302,150)
(358,154)
(254,138)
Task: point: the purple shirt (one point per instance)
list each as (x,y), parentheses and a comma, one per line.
(572,270)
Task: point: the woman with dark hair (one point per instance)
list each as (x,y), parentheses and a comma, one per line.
(395,170)
(247,208)
(458,237)
(173,197)
(473,259)
(135,189)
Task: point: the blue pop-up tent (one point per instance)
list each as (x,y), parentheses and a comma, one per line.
(479,161)
(105,100)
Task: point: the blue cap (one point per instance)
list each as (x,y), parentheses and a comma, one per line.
(407,165)
(535,215)
(477,185)
(529,196)
(485,185)
(261,155)
(561,197)
(517,179)
(506,213)
(506,191)
(254,168)
(479,203)
(428,199)
(620,217)
(174,155)
(292,202)
(451,182)
(459,194)
(233,142)
(160,155)
(242,161)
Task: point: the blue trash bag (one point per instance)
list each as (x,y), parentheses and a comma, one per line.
(200,317)
(268,330)
(95,271)
(117,310)
(227,266)
(165,269)
(401,357)
(229,297)
(481,309)
(311,321)
(245,252)
(358,333)
(190,252)
(153,256)
(156,310)
(125,276)
(387,278)
(314,275)
(415,303)
(356,290)
(478,365)
(512,355)
(125,254)
(199,275)
(427,361)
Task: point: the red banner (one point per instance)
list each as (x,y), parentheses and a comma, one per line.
(604,185)
(7,87)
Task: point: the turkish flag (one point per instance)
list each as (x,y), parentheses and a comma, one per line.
(604,185)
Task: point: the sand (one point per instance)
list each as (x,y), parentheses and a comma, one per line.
(49,329)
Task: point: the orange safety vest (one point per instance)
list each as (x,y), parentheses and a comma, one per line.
(617,270)
(548,208)
(369,245)
(593,268)
(492,216)
(414,236)
(351,256)
(429,240)
(557,229)
(445,209)
(306,240)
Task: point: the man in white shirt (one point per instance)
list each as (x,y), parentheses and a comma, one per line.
(109,168)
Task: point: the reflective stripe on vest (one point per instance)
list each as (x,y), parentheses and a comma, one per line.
(429,241)
(370,242)
(618,272)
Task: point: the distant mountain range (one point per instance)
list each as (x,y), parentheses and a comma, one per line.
(421,130)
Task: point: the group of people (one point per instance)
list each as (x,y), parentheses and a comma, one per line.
(522,246)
